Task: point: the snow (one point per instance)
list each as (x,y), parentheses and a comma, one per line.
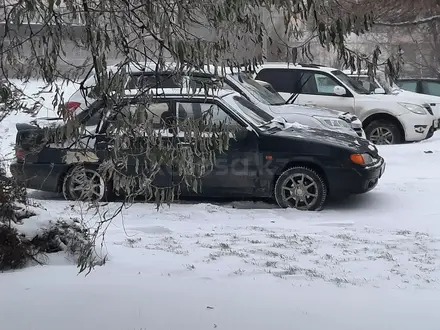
(371,262)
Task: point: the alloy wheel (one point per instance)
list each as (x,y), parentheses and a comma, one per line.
(300,191)
(381,136)
(85,185)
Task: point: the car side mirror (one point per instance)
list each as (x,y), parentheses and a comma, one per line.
(379,91)
(339,90)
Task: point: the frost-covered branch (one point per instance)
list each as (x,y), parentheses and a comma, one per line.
(414,22)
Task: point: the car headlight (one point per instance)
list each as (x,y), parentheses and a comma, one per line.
(362,159)
(332,122)
(414,108)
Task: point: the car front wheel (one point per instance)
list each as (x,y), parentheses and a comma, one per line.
(382,132)
(300,188)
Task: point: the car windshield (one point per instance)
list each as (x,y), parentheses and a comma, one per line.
(350,82)
(258,91)
(367,83)
(388,85)
(258,116)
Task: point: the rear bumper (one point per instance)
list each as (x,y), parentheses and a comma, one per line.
(359,180)
(45,177)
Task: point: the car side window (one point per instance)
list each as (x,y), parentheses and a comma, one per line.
(152,80)
(159,115)
(431,88)
(205,113)
(408,85)
(318,84)
(282,80)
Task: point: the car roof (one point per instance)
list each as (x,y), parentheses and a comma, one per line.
(285,65)
(416,79)
(356,73)
(184,93)
(171,66)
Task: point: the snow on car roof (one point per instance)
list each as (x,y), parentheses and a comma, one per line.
(170,66)
(363,72)
(285,65)
(183,92)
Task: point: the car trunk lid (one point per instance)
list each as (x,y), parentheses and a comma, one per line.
(30,142)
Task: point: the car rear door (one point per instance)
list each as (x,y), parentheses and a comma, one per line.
(123,142)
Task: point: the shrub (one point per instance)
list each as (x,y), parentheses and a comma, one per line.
(18,247)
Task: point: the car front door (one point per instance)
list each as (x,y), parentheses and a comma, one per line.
(235,170)
(307,87)
(317,89)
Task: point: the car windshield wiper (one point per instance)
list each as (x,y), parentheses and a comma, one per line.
(294,96)
(265,124)
(273,120)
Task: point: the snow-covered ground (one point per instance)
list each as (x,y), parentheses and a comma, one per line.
(372,262)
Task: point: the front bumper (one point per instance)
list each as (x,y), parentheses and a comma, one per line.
(417,127)
(356,180)
(44,177)
(355,124)
(360,132)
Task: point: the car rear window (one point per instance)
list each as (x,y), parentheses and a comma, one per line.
(282,80)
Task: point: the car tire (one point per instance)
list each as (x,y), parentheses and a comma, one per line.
(380,127)
(309,194)
(73,189)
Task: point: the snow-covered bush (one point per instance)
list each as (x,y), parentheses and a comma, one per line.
(28,234)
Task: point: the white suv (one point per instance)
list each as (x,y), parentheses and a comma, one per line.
(379,85)
(386,119)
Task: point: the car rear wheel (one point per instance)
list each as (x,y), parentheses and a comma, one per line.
(84,184)
(382,132)
(301,188)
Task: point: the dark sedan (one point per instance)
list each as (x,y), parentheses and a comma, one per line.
(296,165)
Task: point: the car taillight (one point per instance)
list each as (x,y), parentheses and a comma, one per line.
(72,106)
(20,154)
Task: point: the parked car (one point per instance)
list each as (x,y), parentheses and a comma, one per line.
(355,123)
(386,120)
(270,101)
(298,167)
(381,85)
(428,86)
